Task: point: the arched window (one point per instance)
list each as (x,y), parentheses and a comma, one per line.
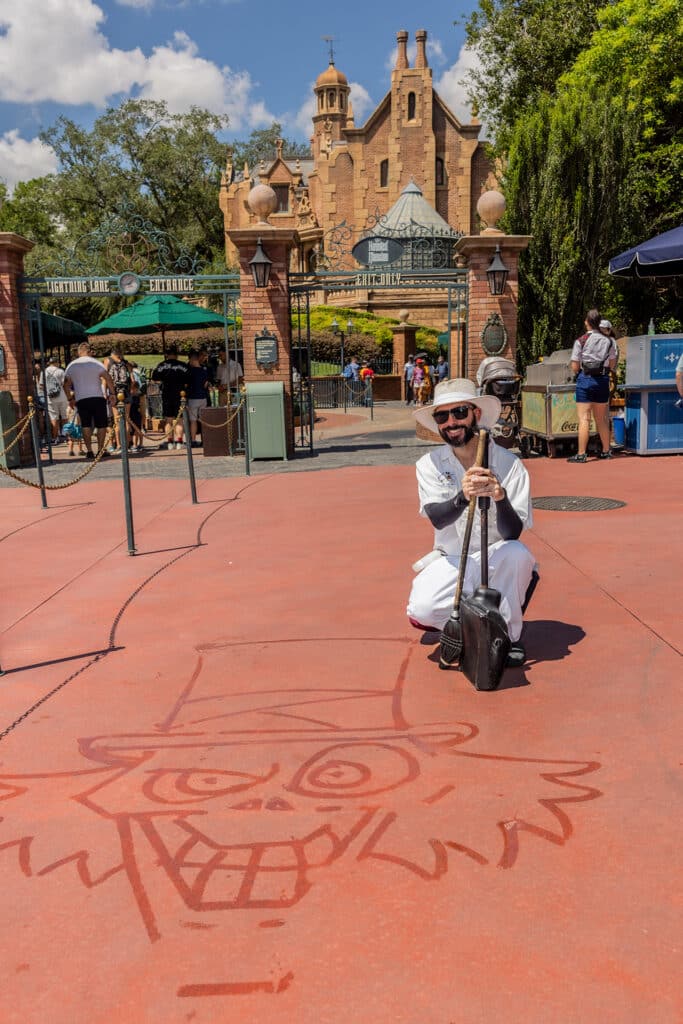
(411,106)
(384,174)
(330,97)
(440,174)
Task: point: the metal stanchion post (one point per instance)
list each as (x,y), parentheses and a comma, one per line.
(247,459)
(188,445)
(123,437)
(36,451)
(372,402)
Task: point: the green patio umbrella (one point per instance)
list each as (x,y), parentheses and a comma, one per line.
(159,313)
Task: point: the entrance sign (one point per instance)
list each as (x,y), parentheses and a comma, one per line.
(377,251)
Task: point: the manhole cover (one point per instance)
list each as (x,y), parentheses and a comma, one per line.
(574,503)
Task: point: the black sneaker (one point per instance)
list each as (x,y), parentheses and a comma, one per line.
(90,455)
(578,458)
(516,656)
(606,455)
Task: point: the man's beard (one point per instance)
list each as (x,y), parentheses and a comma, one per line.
(468,433)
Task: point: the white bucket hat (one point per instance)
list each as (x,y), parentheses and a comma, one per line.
(458,392)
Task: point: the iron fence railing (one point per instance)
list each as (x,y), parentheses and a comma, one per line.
(340,393)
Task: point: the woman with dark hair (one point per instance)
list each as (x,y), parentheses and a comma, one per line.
(593,356)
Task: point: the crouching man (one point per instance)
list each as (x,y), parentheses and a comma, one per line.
(447,479)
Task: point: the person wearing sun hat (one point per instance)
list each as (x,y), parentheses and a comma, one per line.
(447,479)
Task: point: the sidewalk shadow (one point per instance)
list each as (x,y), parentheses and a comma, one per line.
(544,640)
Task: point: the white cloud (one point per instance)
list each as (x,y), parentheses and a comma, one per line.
(23,159)
(59,54)
(302,121)
(177,74)
(451,87)
(55,51)
(362,103)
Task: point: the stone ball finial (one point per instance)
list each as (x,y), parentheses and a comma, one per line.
(262,201)
(403,315)
(491,207)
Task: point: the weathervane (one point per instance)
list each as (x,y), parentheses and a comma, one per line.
(330,42)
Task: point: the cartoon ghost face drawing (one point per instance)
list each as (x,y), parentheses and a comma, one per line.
(236,830)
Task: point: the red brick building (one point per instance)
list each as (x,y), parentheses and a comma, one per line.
(358,174)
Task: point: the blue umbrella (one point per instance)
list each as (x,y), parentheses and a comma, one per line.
(661,256)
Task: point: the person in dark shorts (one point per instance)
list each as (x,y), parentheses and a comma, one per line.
(593,356)
(172,375)
(87,382)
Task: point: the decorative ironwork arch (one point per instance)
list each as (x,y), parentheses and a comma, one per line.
(124,241)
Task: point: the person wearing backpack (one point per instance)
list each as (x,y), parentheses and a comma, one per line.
(593,356)
(52,382)
(121,373)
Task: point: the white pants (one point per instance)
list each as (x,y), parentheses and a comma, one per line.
(510,568)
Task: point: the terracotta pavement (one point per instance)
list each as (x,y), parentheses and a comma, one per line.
(238,788)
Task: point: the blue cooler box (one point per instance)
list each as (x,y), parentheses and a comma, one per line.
(654,424)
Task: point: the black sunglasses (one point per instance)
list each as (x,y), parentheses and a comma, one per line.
(458,412)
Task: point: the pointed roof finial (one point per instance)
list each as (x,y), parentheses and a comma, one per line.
(330,43)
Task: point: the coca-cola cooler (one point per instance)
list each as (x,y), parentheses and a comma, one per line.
(549,416)
(654,423)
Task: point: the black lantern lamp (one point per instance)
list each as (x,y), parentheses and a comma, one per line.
(260,266)
(497,274)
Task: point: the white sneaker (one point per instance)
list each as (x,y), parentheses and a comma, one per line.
(179,446)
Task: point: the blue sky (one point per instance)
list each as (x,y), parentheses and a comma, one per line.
(239,57)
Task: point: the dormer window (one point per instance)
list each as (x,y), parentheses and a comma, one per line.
(282,195)
(384,174)
(411,106)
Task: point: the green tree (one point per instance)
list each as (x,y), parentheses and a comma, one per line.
(523,47)
(30,210)
(162,168)
(592,161)
(261,145)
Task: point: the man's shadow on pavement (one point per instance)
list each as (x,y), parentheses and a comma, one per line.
(544,640)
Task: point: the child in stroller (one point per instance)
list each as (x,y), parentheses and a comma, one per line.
(498,376)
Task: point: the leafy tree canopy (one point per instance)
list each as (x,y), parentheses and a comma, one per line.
(591,147)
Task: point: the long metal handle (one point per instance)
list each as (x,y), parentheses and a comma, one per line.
(482,449)
(484,505)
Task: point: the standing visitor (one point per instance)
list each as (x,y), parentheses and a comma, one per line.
(88,380)
(593,356)
(171,374)
(408,371)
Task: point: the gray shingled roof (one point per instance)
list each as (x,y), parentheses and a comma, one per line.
(410,213)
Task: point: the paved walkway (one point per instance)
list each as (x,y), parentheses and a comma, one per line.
(235,787)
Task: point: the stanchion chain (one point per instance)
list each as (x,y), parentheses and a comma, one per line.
(60,487)
(16,425)
(220,426)
(17,439)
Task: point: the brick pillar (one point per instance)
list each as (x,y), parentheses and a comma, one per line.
(405,345)
(479,251)
(15,378)
(267,307)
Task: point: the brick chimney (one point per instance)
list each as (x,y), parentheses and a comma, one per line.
(421,55)
(402,53)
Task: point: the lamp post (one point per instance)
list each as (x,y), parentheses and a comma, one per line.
(260,266)
(340,334)
(497,274)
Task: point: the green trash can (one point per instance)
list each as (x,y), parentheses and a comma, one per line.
(266,420)
(8,420)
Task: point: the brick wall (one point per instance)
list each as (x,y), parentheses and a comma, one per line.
(18,358)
